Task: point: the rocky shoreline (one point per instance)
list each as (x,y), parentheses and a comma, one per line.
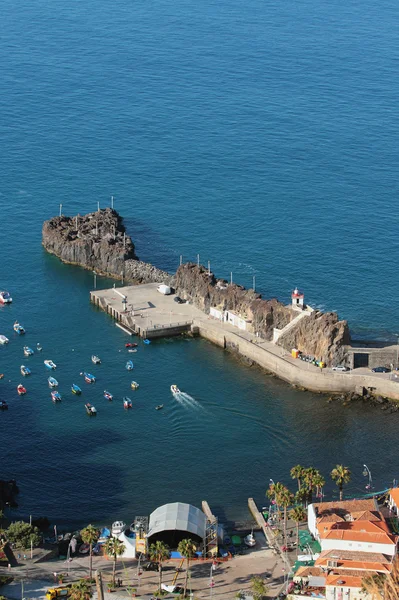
(382,402)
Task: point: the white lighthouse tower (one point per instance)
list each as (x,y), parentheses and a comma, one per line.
(297,298)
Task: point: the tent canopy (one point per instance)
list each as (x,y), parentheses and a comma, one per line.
(177,517)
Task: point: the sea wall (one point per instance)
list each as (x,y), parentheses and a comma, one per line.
(98,241)
(319,334)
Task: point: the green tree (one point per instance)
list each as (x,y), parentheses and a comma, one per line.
(297,473)
(90,536)
(81,590)
(319,482)
(298,514)
(341,475)
(285,499)
(114,548)
(158,553)
(301,496)
(187,550)
(22,534)
(274,492)
(258,587)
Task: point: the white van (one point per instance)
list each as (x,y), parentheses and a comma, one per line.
(164,289)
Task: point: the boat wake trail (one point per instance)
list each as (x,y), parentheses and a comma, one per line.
(188,401)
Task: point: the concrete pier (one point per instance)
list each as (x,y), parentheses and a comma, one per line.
(146,312)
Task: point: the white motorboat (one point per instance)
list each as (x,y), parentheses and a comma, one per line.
(3,339)
(49,364)
(5,298)
(117,528)
(174,389)
(250,540)
(95,359)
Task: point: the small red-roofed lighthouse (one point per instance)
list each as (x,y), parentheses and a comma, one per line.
(297,299)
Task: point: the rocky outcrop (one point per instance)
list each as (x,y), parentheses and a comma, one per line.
(321,335)
(203,290)
(98,241)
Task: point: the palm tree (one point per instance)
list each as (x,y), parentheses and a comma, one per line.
(158,553)
(319,482)
(90,536)
(187,550)
(301,496)
(310,475)
(298,514)
(259,587)
(81,590)
(114,548)
(285,499)
(274,492)
(341,475)
(297,473)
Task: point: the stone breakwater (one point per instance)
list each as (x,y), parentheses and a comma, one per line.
(98,241)
(319,334)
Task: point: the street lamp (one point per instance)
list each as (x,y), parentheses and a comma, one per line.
(367,473)
(397,350)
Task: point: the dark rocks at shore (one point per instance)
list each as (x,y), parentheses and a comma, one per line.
(205,291)
(381,402)
(321,335)
(98,241)
(8,491)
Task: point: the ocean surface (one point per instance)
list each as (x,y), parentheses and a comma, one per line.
(260,135)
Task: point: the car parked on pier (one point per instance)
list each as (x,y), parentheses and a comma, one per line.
(340,368)
(381,370)
(179,300)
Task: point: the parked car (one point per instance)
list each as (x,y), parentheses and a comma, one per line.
(151,566)
(179,300)
(381,370)
(340,368)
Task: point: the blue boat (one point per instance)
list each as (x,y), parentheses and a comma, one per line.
(56,396)
(76,389)
(129,365)
(25,370)
(89,378)
(146,341)
(18,328)
(50,364)
(52,382)
(28,351)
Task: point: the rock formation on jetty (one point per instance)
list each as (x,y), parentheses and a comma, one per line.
(319,334)
(98,241)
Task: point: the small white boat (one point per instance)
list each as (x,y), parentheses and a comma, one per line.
(96,359)
(127,403)
(129,365)
(53,383)
(117,528)
(18,328)
(90,409)
(38,347)
(250,540)
(49,364)
(25,370)
(5,298)
(159,407)
(174,389)
(28,351)
(108,395)
(3,339)
(55,396)
(132,350)
(134,385)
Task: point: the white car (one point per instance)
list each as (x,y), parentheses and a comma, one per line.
(340,368)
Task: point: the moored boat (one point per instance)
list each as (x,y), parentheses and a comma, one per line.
(84,549)
(132,350)
(129,365)
(50,364)
(28,351)
(146,341)
(174,389)
(90,409)
(55,396)
(131,345)
(3,339)
(5,298)
(38,347)
(52,382)
(108,395)
(134,385)
(96,359)
(18,328)
(21,390)
(117,528)
(250,540)
(3,405)
(89,378)
(159,407)
(76,389)
(25,370)
(127,403)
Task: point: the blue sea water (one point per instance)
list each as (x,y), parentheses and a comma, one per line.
(261,135)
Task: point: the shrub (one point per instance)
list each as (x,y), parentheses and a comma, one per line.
(21,535)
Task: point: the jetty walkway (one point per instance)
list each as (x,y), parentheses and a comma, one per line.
(142,310)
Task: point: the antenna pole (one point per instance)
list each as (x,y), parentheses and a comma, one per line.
(112,202)
(198,260)
(209,267)
(231,278)
(181,259)
(98,207)
(254,282)
(60,210)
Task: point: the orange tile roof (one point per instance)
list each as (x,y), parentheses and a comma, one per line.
(358,536)
(352,565)
(345,506)
(306,571)
(344,580)
(394,493)
(377,532)
(354,555)
(368,515)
